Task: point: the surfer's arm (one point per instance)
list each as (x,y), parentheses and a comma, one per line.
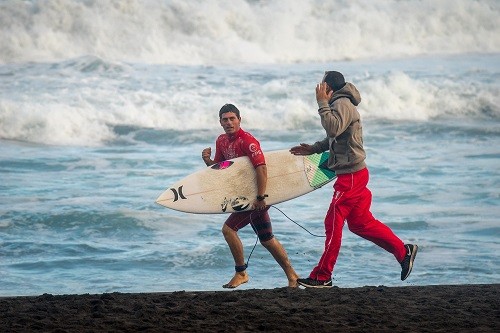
(261,172)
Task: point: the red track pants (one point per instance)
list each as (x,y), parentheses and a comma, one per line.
(351,202)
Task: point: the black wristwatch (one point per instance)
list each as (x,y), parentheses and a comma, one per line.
(261,197)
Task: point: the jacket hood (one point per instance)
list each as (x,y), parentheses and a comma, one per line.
(349,91)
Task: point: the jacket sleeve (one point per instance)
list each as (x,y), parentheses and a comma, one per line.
(335,118)
(321,146)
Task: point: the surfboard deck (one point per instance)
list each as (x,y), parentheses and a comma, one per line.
(230,186)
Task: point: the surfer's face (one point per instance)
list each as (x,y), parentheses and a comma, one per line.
(230,122)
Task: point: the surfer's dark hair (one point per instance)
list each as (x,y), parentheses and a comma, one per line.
(229,108)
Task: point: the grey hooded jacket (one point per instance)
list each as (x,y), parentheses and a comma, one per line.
(342,123)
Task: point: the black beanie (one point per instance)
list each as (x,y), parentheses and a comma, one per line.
(334,79)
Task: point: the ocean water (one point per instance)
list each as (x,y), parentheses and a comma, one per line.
(104,104)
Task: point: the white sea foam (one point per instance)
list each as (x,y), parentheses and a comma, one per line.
(239,31)
(71,72)
(82,101)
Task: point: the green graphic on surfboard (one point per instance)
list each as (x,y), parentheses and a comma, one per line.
(317,171)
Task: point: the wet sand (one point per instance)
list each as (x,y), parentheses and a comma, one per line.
(454,308)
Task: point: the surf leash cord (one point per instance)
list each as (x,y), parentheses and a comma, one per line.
(257,239)
(310,233)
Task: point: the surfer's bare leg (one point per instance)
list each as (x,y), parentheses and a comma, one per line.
(236,247)
(278,252)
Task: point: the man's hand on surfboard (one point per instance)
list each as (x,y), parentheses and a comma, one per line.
(259,204)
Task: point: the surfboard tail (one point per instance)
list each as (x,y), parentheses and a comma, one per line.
(316,167)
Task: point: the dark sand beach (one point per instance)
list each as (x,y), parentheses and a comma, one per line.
(454,308)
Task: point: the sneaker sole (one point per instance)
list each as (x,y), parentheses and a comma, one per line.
(311,286)
(412,258)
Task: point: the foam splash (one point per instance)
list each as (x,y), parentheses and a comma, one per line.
(243,31)
(90,101)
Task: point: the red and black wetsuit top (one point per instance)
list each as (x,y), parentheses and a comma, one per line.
(240,144)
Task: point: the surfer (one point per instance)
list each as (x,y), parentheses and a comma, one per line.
(337,101)
(235,143)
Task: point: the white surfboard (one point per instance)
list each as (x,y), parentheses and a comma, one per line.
(230,186)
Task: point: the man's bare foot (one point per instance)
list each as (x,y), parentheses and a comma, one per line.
(238,279)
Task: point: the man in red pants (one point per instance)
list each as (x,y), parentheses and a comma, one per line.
(337,101)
